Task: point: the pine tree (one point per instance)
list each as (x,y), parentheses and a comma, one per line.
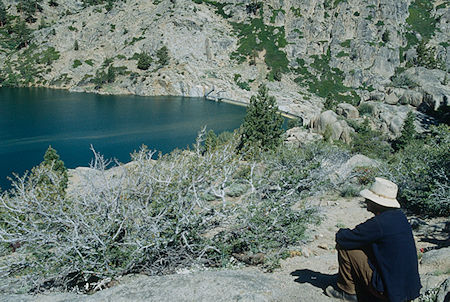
(408,132)
(262,127)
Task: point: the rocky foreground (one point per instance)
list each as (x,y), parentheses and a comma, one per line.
(302,277)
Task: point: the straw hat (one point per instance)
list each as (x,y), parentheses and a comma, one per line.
(382,192)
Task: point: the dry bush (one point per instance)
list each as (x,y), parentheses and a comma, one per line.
(156,216)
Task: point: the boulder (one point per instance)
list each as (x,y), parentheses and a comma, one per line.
(340,130)
(411,97)
(300,136)
(391,99)
(347,110)
(431,82)
(438,259)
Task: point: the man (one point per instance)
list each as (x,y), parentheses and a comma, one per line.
(378,258)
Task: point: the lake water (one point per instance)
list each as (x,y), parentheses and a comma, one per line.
(31,119)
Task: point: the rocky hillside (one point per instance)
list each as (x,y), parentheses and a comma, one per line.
(312,53)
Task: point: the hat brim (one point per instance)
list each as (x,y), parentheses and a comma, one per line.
(385,202)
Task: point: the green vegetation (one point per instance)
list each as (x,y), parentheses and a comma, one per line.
(346,43)
(324,81)
(200,207)
(262,127)
(107,73)
(365,109)
(342,54)
(257,36)
(134,40)
(408,133)
(296,11)
(241,84)
(71,28)
(3,14)
(420,19)
(422,169)
(426,56)
(369,142)
(275,13)
(218,6)
(89,62)
(144,61)
(76,63)
(163,56)
(332,3)
(28,68)
(56,184)
(15,34)
(28,9)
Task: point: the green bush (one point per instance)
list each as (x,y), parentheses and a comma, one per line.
(76,63)
(163,56)
(422,170)
(369,142)
(144,61)
(365,109)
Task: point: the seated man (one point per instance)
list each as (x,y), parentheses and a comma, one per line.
(378,258)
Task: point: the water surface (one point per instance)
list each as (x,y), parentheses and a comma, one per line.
(31,119)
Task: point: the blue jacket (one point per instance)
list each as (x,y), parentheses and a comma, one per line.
(390,236)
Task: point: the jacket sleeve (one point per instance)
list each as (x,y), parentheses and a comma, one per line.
(363,234)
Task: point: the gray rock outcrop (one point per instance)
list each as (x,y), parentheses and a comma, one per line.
(328,121)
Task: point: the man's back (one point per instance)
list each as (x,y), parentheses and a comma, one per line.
(390,237)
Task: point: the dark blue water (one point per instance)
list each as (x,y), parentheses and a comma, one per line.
(32,119)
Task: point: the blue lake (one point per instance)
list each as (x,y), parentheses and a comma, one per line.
(31,119)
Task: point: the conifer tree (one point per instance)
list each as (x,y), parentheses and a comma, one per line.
(54,163)
(262,127)
(408,132)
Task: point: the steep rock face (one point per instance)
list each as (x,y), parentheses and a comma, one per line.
(308,51)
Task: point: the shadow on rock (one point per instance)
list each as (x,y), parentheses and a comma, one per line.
(316,279)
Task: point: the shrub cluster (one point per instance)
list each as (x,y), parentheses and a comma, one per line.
(422,171)
(156,216)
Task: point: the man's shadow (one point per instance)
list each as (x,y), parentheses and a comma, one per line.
(316,279)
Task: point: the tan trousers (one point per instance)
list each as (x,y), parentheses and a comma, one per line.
(355,274)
